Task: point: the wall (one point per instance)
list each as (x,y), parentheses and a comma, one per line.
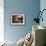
(29,8)
(1,21)
(43,6)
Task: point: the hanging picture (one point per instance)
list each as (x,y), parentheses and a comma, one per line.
(17,19)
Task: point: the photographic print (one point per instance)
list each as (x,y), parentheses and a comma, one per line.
(17,19)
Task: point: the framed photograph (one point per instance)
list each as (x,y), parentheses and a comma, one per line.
(17,19)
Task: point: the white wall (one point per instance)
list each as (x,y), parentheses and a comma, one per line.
(1,21)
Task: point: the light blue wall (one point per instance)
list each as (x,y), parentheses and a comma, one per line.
(43,6)
(29,8)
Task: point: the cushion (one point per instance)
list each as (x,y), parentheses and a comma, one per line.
(20,42)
